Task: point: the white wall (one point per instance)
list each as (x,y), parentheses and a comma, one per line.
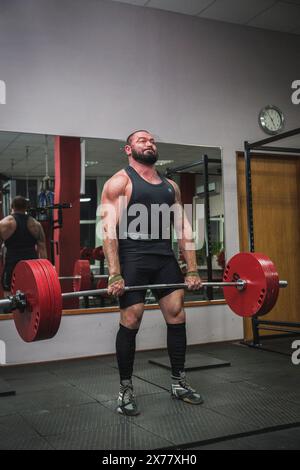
(102,69)
(95,334)
(216,201)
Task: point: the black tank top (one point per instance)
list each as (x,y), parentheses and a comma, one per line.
(145,224)
(21,244)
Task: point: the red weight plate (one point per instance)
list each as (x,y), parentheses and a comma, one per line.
(33,323)
(82,269)
(55,295)
(98,253)
(272,284)
(86,253)
(46,318)
(261,291)
(56,292)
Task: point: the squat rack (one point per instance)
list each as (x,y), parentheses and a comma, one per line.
(209,253)
(260,146)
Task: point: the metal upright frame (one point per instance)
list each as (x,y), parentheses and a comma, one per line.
(259,146)
(205,162)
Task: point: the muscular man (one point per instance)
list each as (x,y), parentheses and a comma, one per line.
(138,258)
(23,238)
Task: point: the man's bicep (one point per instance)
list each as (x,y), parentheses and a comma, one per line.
(176,190)
(112,201)
(113,189)
(183,216)
(108,209)
(2,229)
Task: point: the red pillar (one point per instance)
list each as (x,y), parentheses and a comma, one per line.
(187,187)
(1,263)
(67,189)
(187,190)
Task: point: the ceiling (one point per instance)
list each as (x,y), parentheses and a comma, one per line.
(275,15)
(25,154)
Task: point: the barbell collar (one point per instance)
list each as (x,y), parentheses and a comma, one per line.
(283,284)
(13,302)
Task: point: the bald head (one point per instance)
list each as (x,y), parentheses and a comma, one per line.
(20,204)
(133,134)
(141,147)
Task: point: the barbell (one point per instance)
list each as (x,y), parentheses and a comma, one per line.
(250,282)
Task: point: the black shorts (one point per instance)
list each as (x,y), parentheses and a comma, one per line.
(9,267)
(143,269)
(7,275)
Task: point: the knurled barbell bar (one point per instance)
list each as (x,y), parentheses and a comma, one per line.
(250,283)
(93,276)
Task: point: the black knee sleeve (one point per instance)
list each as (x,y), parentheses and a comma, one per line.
(125,347)
(176,342)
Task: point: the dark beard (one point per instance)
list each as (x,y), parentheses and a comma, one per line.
(148,160)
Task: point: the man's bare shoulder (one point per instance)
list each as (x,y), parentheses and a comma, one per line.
(35,228)
(116,185)
(8,220)
(120,177)
(175,186)
(33,222)
(7,227)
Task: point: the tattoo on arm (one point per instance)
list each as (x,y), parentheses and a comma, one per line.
(41,234)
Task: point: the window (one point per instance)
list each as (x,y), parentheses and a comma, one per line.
(21,190)
(88,215)
(88,208)
(87,233)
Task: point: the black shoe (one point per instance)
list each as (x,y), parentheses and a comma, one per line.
(183,391)
(126,401)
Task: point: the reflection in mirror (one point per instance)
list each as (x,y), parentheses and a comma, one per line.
(27,168)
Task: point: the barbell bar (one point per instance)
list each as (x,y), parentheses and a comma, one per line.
(250,284)
(13,301)
(240,284)
(93,276)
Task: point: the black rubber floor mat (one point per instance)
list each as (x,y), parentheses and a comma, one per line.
(104,388)
(6,389)
(72,419)
(194,361)
(263,414)
(285,439)
(24,443)
(124,436)
(277,345)
(44,400)
(161,377)
(196,424)
(16,433)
